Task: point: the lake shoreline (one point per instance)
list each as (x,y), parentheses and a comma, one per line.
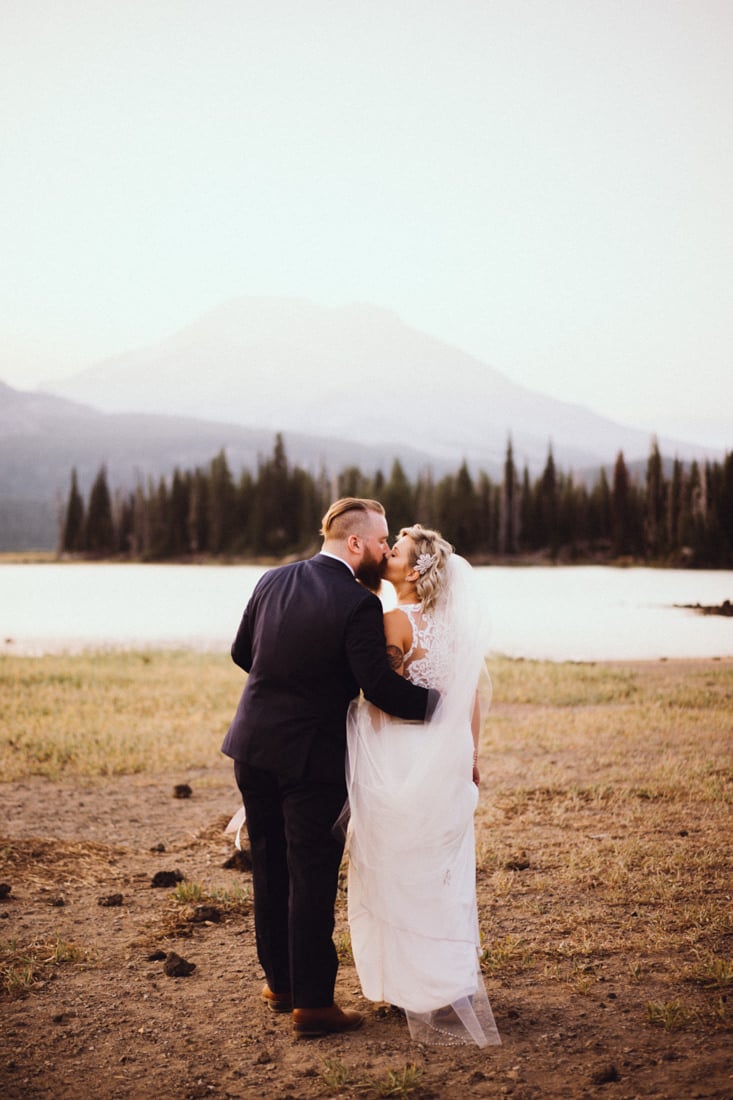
(540,559)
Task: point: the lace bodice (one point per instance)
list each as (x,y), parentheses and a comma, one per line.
(428,661)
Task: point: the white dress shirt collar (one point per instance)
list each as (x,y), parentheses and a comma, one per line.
(335,557)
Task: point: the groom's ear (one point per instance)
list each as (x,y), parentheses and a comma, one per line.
(353,544)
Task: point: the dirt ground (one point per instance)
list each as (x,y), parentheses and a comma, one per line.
(79,861)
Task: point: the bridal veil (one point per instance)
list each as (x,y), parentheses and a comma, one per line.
(412,883)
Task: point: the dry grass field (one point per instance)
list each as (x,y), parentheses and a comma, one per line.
(604,872)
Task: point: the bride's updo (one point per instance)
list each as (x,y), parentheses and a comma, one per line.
(430,553)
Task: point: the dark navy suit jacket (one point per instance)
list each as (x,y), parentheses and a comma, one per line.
(311,636)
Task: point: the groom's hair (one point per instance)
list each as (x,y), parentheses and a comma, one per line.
(347,515)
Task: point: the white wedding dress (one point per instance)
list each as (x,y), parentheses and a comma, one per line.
(412,880)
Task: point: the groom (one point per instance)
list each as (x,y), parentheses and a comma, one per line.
(310,638)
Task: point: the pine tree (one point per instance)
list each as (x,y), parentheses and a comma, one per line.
(351,482)
(621,507)
(547,506)
(509,519)
(244,502)
(571,527)
(600,523)
(484,510)
(124,519)
(178,505)
(72,539)
(699,510)
(654,527)
(99,537)
(306,515)
(674,506)
(725,508)
(221,503)
(457,510)
(271,518)
(160,520)
(198,513)
(425,499)
(528,513)
(398,499)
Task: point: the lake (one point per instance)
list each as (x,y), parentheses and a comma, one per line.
(580,613)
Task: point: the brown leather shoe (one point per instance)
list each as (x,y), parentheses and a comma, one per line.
(277,1002)
(309,1023)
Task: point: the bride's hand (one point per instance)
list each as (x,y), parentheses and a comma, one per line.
(476,776)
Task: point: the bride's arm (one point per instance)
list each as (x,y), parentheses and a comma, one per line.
(398,639)
(398,635)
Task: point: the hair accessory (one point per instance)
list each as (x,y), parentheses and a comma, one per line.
(423,563)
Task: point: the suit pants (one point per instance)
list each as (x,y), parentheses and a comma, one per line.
(295,865)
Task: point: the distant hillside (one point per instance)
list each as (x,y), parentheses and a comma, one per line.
(356,373)
(353,386)
(42,437)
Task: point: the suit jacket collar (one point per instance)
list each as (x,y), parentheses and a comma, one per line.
(333,562)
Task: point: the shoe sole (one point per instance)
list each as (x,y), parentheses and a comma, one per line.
(319,1032)
(277,1005)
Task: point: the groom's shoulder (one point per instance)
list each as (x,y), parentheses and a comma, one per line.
(331,568)
(336,575)
(319,571)
(327,575)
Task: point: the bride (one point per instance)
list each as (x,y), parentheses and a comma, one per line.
(413,789)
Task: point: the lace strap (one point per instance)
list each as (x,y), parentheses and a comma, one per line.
(410,610)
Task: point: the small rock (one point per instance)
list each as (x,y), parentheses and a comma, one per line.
(203,913)
(240,861)
(5,889)
(156,956)
(605,1075)
(110,901)
(182,790)
(176,967)
(58,902)
(165,879)
(158,847)
(264,1058)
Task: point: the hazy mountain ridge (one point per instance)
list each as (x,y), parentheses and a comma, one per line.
(43,436)
(349,386)
(357,373)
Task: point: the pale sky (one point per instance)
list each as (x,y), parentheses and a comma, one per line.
(546,184)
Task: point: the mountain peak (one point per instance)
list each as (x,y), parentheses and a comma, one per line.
(355,372)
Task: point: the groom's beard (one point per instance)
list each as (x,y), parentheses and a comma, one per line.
(370,572)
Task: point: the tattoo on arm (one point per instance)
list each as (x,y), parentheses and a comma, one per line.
(395,656)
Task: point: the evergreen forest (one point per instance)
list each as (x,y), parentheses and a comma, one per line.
(670,514)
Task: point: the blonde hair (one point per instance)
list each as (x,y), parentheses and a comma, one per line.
(347,516)
(424,541)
